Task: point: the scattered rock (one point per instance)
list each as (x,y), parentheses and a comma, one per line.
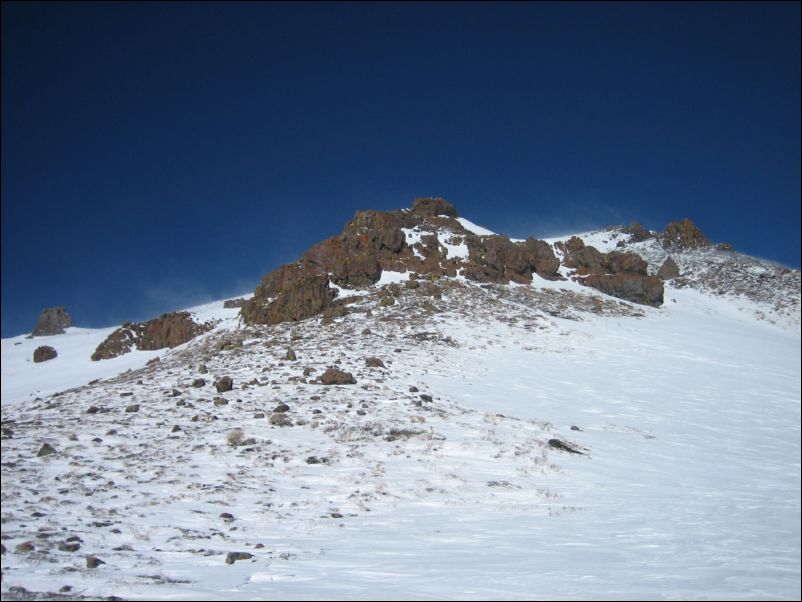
(52,321)
(227,517)
(564,446)
(69,547)
(46,450)
(44,353)
(134,407)
(281,408)
(199,382)
(374,362)
(335,376)
(232,557)
(92,562)
(290,356)
(425,397)
(280,419)
(224,384)
(24,547)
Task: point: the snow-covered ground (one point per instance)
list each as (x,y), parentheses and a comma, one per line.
(687,487)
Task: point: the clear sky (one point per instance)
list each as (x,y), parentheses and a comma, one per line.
(160,155)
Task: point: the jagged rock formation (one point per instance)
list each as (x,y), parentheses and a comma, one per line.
(620,274)
(683,235)
(426,239)
(637,232)
(52,320)
(168,330)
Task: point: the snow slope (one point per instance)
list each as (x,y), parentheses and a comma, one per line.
(687,487)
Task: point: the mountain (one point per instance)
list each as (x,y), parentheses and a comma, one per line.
(419,408)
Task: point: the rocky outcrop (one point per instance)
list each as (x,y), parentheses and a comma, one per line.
(432,206)
(168,330)
(233,303)
(376,241)
(637,233)
(646,290)
(44,353)
(499,260)
(682,236)
(291,293)
(619,274)
(52,320)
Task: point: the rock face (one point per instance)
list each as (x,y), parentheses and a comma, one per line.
(44,353)
(52,320)
(168,330)
(683,235)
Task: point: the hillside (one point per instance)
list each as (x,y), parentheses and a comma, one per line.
(512,431)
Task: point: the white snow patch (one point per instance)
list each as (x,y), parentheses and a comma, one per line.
(471,227)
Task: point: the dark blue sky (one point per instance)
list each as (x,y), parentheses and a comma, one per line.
(158,155)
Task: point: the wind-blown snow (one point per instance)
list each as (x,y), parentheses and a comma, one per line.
(688,417)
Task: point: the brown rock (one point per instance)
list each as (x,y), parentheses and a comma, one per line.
(683,235)
(637,232)
(289,294)
(646,290)
(374,362)
(168,330)
(668,270)
(334,376)
(432,206)
(224,384)
(52,320)
(233,303)
(44,353)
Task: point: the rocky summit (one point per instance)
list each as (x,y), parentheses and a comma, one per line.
(418,408)
(429,241)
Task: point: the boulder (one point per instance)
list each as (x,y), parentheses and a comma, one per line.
(224,384)
(44,353)
(668,270)
(52,320)
(335,376)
